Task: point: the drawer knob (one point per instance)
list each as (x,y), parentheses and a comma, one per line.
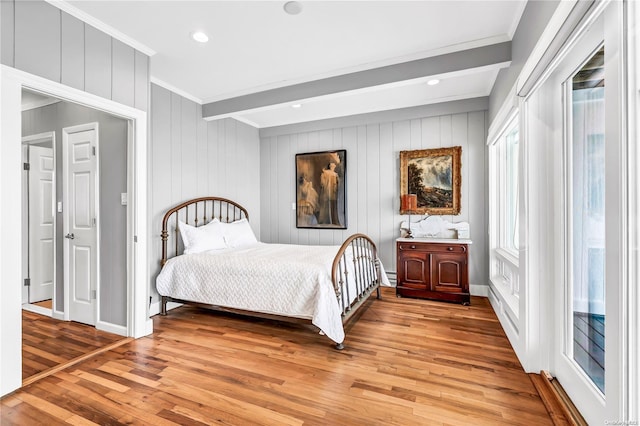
(450,248)
(413,247)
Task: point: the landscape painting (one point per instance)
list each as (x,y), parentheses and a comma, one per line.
(433,175)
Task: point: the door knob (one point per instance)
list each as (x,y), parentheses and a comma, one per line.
(70,236)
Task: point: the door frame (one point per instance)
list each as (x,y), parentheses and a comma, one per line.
(12,81)
(66,131)
(32,140)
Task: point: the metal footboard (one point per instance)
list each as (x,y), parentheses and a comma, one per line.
(355,273)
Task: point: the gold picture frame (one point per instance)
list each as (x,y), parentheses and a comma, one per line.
(434,176)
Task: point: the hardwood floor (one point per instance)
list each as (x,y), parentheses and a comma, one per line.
(406,362)
(47,342)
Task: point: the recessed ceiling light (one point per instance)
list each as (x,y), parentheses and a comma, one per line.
(199,36)
(292,7)
(296,106)
(433,82)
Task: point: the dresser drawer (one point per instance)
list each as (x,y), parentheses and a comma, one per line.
(432,247)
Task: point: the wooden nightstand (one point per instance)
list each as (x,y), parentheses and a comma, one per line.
(432,268)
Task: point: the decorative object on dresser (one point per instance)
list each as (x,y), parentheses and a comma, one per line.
(431,268)
(321,190)
(408,204)
(216,262)
(433,175)
(435,227)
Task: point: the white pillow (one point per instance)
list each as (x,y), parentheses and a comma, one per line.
(239,234)
(202,238)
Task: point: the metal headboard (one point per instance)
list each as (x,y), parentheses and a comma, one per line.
(196,212)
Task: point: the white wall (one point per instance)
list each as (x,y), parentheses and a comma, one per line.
(191,157)
(373,177)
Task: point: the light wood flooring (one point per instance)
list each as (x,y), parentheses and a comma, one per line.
(47,343)
(406,362)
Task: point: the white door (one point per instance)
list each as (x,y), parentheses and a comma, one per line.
(80,221)
(579,108)
(41,223)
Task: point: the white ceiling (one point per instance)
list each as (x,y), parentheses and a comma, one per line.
(255,46)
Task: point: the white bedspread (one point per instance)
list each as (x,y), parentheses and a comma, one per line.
(281,279)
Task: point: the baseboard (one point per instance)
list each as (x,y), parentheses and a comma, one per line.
(557,402)
(37,309)
(59,315)
(479,290)
(154,308)
(111,328)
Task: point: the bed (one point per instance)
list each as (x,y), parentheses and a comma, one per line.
(211,258)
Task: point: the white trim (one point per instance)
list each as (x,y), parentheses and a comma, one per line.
(111,328)
(633,159)
(479,290)
(138,324)
(59,315)
(169,87)
(40,310)
(98,24)
(39,104)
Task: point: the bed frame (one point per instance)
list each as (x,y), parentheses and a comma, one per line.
(365,277)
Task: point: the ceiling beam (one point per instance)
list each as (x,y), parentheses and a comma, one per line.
(492,55)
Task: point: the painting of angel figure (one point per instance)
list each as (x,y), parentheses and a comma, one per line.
(321,190)
(433,175)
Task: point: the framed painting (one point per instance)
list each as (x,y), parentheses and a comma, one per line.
(321,190)
(433,175)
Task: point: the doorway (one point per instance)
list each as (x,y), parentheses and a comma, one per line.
(38,195)
(135,240)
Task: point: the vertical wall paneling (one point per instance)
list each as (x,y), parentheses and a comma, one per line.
(212,156)
(388,206)
(221,177)
(349,137)
(202,153)
(373,179)
(284,185)
(265,179)
(160,162)
(233,171)
(191,157)
(141,81)
(188,154)
(40,39)
(274,167)
(475,171)
(176,147)
(7,29)
(123,73)
(37,39)
(72,67)
(98,56)
(361,223)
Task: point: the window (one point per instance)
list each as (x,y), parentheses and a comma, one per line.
(505,184)
(504,227)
